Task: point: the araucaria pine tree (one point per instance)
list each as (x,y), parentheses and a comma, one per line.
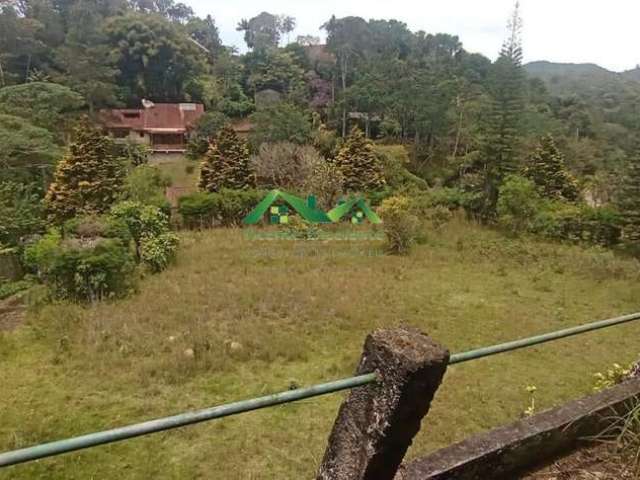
(628,201)
(548,171)
(506,86)
(359,165)
(226,164)
(89,177)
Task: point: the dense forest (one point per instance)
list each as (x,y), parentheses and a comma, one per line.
(466,123)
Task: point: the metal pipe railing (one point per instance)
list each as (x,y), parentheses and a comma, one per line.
(189,418)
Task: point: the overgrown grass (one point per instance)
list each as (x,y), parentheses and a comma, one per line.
(238,318)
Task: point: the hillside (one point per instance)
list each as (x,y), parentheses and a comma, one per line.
(582,78)
(236,318)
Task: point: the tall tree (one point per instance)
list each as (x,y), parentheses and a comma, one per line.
(507,90)
(154,57)
(261,32)
(88,179)
(226,164)
(547,170)
(359,165)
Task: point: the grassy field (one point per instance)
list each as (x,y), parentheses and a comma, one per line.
(299,313)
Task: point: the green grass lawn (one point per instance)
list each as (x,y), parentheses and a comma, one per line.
(300,312)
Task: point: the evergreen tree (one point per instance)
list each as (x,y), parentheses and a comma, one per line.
(358,163)
(89,177)
(507,90)
(226,164)
(629,200)
(548,171)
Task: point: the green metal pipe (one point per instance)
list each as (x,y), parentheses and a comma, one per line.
(535,340)
(152,426)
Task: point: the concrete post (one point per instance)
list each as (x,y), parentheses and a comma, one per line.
(377,422)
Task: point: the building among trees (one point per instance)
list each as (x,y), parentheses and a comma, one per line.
(164,127)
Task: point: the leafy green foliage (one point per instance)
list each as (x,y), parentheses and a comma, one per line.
(226,164)
(401,227)
(21,212)
(519,203)
(8,289)
(155,244)
(153,56)
(358,163)
(134,154)
(548,171)
(88,179)
(628,200)
(90,264)
(28,152)
(45,105)
(146,184)
(226,208)
(282,122)
(205,130)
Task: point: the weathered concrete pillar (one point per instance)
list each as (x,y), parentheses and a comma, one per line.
(377,422)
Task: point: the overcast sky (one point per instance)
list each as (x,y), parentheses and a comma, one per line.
(605,32)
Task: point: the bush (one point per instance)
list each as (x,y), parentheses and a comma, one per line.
(149,228)
(578,223)
(158,251)
(284,165)
(134,154)
(225,208)
(395,159)
(83,268)
(283,122)
(518,204)
(146,184)
(8,289)
(522,209)
(21,212)
(401,227)
(325,181)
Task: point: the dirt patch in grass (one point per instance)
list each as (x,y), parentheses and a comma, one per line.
(598,462)
(12,312)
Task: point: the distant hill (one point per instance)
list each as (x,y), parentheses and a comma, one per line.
(582,78)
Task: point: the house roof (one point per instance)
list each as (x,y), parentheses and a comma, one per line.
(344,208)
(157,118)
(300,205)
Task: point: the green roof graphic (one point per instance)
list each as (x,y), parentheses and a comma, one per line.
(305,208)
(358,207)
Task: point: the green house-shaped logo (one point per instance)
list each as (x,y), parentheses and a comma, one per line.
(278,207)
(355,209)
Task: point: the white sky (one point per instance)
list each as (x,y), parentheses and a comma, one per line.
(606,32)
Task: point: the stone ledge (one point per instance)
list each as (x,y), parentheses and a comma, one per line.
(506,451)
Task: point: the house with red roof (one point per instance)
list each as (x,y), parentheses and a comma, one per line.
(164,127)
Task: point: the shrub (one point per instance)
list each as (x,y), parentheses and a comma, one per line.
(21,212)
(226,208)
(149,228)
(303,230)
(518,204)
(395,159)
(8,289)
(134,154)
(401,227)
(146,184)
(284,165)
(158,251)
(85,265)
(325,181)
(282,122)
